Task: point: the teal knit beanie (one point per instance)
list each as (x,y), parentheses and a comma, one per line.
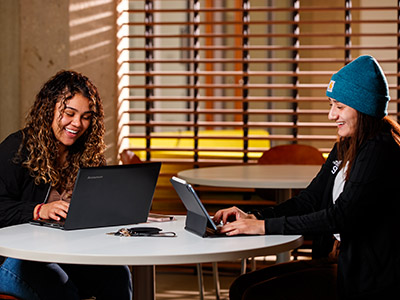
(361,85)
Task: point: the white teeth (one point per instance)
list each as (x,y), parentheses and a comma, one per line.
(72,131)
(340,123)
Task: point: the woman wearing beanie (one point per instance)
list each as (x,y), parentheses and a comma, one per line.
(351,208)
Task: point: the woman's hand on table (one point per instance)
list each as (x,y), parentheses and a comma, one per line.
(235,221)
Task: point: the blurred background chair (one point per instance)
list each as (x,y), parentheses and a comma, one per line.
(129,157)
(293,154)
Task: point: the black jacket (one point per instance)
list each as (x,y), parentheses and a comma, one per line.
(18,193)
(366,214)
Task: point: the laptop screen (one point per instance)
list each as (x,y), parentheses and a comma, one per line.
(112,195)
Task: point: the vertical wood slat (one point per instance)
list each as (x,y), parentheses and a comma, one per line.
(149,30)
(245,79)
(295,55)
(398,56)
(196,91)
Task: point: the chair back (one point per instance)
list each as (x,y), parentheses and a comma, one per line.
(293,154)
(129,157)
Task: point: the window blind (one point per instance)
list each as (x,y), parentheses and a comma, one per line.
(212,82)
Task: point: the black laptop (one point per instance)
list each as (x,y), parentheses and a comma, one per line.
(110,196)
(198,221)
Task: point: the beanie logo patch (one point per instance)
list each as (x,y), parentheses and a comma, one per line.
(330,86)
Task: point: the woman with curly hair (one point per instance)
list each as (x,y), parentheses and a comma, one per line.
(64,132)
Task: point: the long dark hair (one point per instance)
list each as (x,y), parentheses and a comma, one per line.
(40,142)
(366,128)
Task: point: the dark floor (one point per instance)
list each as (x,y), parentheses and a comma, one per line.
(181,282)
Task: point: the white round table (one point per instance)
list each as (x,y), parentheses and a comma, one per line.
(94,246)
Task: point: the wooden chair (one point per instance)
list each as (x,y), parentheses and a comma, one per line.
(129,157)
(293,154)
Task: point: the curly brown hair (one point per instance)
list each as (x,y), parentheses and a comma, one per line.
(40,142)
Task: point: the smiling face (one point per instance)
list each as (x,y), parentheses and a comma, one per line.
(344,116)
(69,125)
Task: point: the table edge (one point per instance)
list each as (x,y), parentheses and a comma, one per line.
(154,260)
